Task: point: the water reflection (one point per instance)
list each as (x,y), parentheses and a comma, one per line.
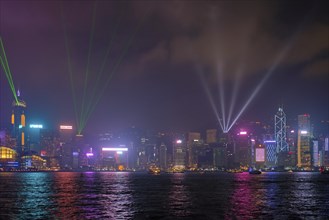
(178,196)
(304,197)
(66,195)
(93,195)
(115,196)
(246,198)
(168,196)
(33,196)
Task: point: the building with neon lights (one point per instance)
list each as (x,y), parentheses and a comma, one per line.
(270,153)
(280,133)
(51,146)
(243,149)
(163,157)
(18,121)
(8,159)
(193,143)
(304,151)
(114,158)
(179,155)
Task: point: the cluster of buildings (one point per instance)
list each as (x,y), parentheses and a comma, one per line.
(249,144)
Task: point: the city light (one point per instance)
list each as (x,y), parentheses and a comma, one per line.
(178,141)
(36,126)
(114,149)
(89,154)
(65,127)
(269,141)
(260,154)
(303,132)
(243,133)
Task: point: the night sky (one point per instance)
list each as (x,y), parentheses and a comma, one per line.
(176,44)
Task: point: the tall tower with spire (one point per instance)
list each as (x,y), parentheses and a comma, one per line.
(18,122)
(280,133)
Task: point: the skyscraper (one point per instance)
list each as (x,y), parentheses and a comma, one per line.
(211,136)
(304,142)
(270,153)
(192,139)
(179,155)
(18,122)
(280,137)
(163,156)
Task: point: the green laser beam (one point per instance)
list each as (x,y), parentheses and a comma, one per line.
(5,66)
(90,102)
(88,61)
(70,68)
(100,72)
(115,67)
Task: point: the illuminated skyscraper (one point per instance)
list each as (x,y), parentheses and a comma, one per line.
(18,122)
(211,136)
(192,141)
(243,148)
(304,142)
(270,153)
(280,136)
(179,155)
(163,156)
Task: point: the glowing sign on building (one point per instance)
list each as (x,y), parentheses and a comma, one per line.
(269,141)
(178,141)
(260,154)
(36,126)
(65,127)
(243,133)
(114,149)
(303,132)
(89,154)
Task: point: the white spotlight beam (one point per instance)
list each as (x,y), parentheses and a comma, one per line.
(262,82)
(234,96)
(210,98)
(222,96)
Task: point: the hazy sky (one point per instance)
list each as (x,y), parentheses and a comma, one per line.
(173,45)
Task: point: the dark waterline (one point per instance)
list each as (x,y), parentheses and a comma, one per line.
(117,195)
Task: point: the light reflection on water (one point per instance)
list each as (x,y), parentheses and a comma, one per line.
(169,196)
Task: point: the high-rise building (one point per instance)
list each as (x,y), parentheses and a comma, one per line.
(304,142)
(179,155)
(193,138)
(34,137)
(243,151)
(66,144)
(50,144)
(18,122)
(211,136)
(163,157)
(325,153)
(280,137)
(315,153)
(270,153)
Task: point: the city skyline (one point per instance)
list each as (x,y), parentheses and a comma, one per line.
(175,45)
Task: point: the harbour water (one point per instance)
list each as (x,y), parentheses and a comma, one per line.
(123,195)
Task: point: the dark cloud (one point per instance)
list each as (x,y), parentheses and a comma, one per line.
(159,67)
